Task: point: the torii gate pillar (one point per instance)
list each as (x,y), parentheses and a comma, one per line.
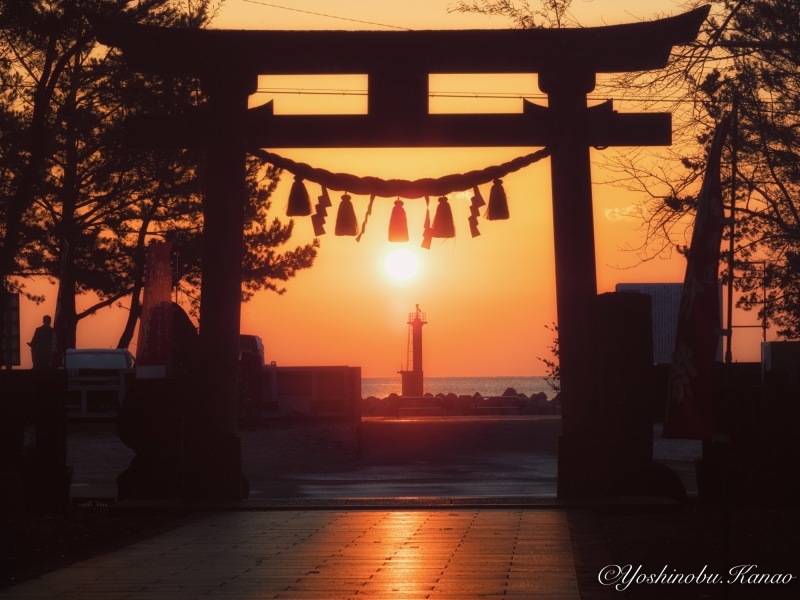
(212,447)
(580,451)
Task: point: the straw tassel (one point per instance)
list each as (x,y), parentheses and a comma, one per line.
(299,202)
(398,223)
(498,203)
(346,222)
(474,210)
(443,226)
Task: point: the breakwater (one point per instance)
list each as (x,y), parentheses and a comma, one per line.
(382,387)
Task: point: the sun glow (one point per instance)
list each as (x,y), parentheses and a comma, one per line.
(401,264)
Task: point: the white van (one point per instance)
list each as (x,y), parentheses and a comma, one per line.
(96,380)
(98,358)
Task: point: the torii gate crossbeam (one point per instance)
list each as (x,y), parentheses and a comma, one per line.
(398,65)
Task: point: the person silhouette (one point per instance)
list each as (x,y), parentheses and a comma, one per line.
(42,345)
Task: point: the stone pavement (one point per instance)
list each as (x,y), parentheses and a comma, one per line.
(451,553)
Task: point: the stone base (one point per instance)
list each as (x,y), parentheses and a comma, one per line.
(213,469)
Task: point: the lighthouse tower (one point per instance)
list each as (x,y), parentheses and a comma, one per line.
(412,379)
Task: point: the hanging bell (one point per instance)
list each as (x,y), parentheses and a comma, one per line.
(498,203)
(299,202)
(346,222)
(398,223)
(443,226)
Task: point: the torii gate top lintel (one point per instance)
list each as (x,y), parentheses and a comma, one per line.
(607,49)
(398,64)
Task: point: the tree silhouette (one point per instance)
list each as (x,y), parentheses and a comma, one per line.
(552,365)
(747,61)
(748,55)
(548,13)
(81,207)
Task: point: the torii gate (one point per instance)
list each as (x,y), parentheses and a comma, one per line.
(398,64)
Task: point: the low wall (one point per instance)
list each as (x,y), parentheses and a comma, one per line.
(302,393)
(33,448)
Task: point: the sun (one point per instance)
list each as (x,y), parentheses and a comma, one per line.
(401,264)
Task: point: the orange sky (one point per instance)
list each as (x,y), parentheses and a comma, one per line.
(488,298)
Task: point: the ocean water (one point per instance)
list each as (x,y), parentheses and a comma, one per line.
(380,387)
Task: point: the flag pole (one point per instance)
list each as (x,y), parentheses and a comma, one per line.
(724,444)
(732,226)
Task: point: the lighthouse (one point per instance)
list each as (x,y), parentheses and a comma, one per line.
(412,379)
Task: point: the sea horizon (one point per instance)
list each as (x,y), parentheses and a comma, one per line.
(380,387)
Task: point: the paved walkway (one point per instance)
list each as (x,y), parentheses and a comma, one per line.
(333,554)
